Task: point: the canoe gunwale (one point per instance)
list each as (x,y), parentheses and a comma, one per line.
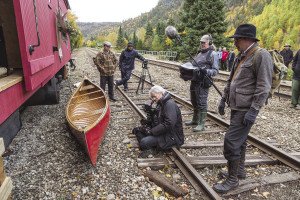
(88,128)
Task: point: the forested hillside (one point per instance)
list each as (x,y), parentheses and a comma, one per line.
(277,21)
(90,29)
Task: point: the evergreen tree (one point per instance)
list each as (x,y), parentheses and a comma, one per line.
(121,40)
(148,37)
(134,39)
(200,17)
(139,45)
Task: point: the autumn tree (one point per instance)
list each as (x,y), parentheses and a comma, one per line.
(76,37)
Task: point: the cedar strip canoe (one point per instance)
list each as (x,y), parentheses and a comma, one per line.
(88,115)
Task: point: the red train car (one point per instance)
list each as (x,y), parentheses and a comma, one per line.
(33,54)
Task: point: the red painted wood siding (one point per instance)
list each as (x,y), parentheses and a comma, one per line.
(42,65)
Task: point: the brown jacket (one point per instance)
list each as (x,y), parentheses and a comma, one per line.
(106,63)
(252,82)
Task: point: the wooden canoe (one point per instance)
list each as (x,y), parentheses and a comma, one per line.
(88,115)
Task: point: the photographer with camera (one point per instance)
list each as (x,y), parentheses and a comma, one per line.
(163,128)
(207,59)
(126,64)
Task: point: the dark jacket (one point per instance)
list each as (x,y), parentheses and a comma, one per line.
(251,85)
(127,57)
(287,56)
(169,130)
(296,66)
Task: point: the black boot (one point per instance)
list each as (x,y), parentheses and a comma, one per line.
(195,119)
(232,181)
(241,170)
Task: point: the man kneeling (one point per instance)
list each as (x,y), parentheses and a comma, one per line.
(163,129)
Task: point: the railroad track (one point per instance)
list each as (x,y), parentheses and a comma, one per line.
(269,153)
(284,91)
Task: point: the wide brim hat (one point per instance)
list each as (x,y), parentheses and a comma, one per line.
(245,31)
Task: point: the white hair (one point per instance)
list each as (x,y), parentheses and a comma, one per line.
(157,89)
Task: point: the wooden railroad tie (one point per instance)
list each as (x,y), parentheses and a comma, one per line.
(164,183)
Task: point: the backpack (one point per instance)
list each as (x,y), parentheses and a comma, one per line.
(279,70)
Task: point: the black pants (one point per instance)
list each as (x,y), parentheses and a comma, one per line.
(236,136)
(145,141)
(110,81)
(125,75)
(199,96)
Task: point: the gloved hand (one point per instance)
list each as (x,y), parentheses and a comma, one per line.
(250,116)
(221,107)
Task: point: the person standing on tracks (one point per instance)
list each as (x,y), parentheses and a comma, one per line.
(166,129)
(126,64)
(224,59)
(296,82)
(246,91)
(106,63)
(287,54)
(208,60)
(231,58)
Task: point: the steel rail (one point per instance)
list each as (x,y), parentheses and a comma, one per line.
(175,67)
(181,162)
(270,149)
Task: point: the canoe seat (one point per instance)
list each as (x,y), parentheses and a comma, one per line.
(88,87)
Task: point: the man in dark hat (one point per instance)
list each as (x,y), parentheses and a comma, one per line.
(246,92)
(287,54)
(126,64)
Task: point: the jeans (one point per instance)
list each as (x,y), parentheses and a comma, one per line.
(125,75)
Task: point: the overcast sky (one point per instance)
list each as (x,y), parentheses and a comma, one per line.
(110,10)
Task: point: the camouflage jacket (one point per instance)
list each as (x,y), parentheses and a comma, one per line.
(106,63)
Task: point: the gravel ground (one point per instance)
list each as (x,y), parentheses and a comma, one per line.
(48,163)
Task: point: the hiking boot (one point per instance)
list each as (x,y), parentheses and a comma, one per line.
(241,170)
(194,121)
(113,99)
(201,122)
(232,180)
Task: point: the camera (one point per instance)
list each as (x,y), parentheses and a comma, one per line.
(145,64)
(152,116)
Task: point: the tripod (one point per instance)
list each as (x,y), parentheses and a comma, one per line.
(145,72)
